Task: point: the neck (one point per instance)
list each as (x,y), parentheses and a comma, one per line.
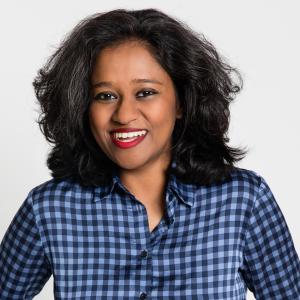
(147,184)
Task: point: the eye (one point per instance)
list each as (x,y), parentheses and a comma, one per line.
(109,96)
(146,93)
(103,96)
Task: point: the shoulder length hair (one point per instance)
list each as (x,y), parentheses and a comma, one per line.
(203,82)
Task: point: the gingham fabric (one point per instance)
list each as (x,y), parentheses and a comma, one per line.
(214,242)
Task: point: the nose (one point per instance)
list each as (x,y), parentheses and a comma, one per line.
(126,110)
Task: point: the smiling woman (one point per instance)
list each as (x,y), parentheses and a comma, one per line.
(143,103)
(99,65)
(145,199)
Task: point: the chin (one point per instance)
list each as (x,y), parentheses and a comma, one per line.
(130,164)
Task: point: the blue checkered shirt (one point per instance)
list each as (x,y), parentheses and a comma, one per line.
(214,242)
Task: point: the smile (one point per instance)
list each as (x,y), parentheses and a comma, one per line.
(127,142)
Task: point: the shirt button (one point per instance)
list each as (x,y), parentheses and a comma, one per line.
(171,221)
(143,295)
(144,253)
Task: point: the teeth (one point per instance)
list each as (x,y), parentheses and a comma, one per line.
(129,134)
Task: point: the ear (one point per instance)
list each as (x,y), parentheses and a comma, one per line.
(178,110)
(179,115)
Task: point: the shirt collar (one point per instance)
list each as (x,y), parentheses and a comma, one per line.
(184,191)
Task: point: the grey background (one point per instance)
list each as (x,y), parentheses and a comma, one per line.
(261,38)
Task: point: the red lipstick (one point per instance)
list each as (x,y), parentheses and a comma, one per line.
(123,144)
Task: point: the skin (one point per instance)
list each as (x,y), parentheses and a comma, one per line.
(123,104)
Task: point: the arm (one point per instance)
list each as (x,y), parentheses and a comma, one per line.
(24,268)
(271,264)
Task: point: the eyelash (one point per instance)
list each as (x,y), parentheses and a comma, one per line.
(97,97)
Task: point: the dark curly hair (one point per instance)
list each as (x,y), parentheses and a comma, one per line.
(203,83)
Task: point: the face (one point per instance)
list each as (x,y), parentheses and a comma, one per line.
(131,90)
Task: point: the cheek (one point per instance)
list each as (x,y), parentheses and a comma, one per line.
(95,123)
(96,117)
(97,130)
(163,115)
(92,120)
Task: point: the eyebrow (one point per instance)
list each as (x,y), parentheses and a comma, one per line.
(135,80)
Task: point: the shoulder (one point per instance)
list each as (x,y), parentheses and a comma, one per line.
(56,191)
(247,184)
(242,185)
(245,174)
(246,177)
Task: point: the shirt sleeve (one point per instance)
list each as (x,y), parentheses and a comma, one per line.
(271,264)
(24,268)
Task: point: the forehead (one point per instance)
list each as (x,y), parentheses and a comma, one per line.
(124,47)
(129,59)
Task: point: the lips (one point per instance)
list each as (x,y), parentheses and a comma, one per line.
(124,145)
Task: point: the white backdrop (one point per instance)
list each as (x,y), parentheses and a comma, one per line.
(261,38)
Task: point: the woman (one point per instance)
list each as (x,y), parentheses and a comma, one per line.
(145,200)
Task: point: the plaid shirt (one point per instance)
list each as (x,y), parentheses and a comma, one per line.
(213,242)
